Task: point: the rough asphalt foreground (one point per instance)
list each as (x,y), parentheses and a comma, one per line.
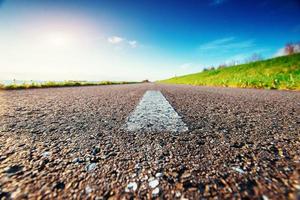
(69,143)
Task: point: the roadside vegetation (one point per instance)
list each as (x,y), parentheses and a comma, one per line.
(48,84)
(276,73)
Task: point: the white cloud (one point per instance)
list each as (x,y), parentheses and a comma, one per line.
(216,43)
(115,40)
(228,43)
(121,42)
(132,43)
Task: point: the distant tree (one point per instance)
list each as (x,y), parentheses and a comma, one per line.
(222,66)
(211,68)
(234,62)
(256,57)
(253,58)
(289,49)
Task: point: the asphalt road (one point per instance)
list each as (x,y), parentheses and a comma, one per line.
(70,143)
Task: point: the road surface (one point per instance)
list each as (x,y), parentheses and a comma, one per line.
(73,143)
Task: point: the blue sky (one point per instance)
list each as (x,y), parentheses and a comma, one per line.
(135,39)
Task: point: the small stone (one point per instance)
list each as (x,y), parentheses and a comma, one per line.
(158,175)
(155,192)
(87,159)
(91,167)
(16,195)
(88,189)
(138,166)
(177,194)
(133,175)
(13,169)
(280,152)
(96,150)
(111,154)
(145,178)
(238,145)
(59,185)
(46,154)
(238,170)
(153,182)
(2,157)
(186,175)
(132,186)
(264,197)
(200,142)
(77,160)
(4,195)
(179,186)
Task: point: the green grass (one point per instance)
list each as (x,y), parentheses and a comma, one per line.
(49,84)
(276,73)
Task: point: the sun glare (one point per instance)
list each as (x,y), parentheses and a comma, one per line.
(58,39)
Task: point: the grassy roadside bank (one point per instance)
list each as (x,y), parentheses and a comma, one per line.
(49,84)
(276,73)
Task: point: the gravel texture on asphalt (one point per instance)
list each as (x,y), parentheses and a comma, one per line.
(69,143)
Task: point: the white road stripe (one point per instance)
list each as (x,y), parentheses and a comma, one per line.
(154,113)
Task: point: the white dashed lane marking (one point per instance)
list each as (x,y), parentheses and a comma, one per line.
(154,113)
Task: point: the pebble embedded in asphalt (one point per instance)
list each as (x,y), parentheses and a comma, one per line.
(238,170)
(88,189)
(158,175)
(155,192)
(153,182)
(96,150)
(13,169)
(91,167)
(46,154)
(132,186)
